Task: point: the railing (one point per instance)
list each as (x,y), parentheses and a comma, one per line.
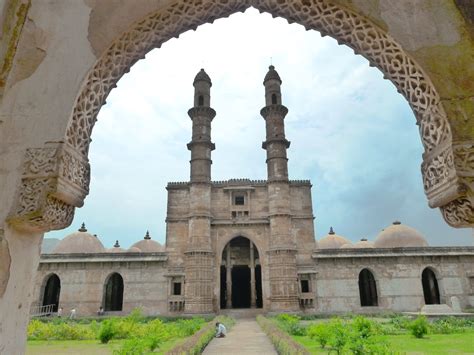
(41,311)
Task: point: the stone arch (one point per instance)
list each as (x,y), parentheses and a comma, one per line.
(430,282)
(45,204)
(113,292)
(51,291)
(368,289)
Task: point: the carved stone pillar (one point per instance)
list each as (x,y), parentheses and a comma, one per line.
(228,270)
(253,300)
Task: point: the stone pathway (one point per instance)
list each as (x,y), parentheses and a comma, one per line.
(245,337)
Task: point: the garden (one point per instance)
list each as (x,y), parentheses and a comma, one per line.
(389,334)
(131,335)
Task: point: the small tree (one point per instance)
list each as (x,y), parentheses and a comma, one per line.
(419,327)
(321,332)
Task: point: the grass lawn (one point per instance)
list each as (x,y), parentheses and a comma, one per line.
(79,347)
(461,343)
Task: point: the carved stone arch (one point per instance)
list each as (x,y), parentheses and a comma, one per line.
(447,169)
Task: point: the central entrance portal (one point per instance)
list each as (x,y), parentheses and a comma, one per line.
(241,277)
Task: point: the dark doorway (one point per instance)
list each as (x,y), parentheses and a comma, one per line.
(52,290)
(240,286)
(223,287)
(430,287)
(258,282)
(367,289)
(114,293)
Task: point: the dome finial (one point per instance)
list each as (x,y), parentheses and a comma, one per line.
(116,245)
(331,231)
(147,235)
(396,222)
(83,228)
(272,75)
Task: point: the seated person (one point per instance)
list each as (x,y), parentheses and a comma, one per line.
(220,330)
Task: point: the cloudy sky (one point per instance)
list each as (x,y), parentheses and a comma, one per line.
(351,133)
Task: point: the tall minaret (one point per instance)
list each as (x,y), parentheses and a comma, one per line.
(199,258)
(282,253)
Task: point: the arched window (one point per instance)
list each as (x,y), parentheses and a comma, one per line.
(51,293)
(430,287)
(200,100)
(274,99)
(367,289)
(113,297)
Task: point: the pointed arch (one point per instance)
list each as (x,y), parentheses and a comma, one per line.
(430,287)
(113,293)
(52,291)
(367,289)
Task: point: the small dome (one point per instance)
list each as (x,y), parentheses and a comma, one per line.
(202,76)
(398,236)
(147,245)
(133,250)
(347,246)
(363,243)
(79,242)
(332,241)
(116,248)
(272,74)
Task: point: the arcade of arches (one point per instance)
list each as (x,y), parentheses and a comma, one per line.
(60,61)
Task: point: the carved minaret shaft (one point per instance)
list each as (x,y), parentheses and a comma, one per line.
(282,253)
(199,261)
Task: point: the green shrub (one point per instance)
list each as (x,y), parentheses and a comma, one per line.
(321,332)
(134,346)
(419,327)
(106,331)
(291,324)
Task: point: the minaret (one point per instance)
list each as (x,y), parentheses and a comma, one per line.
(201,115)
(199,258)
(282,253)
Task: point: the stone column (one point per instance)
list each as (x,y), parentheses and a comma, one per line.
(228,270)
(253,301)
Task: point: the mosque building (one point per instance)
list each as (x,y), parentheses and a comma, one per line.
(246,243)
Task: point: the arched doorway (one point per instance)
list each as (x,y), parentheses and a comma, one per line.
(113,293)
(241,275)
(52,291)
(430,287)
(367,289)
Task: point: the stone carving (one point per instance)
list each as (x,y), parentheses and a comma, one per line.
(329,18)
(464,158)
(459,213)
(55,179)
(5,261)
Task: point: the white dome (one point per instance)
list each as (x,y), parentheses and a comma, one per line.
(133,250)
(399,235)
(147,245)
(332,241)
(79,242)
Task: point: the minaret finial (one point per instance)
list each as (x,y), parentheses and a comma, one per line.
(116,245)
(147,235)
(83,228)
(331,231)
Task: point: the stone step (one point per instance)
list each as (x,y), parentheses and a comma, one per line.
(242,313)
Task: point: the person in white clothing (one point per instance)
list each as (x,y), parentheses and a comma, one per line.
(221,331)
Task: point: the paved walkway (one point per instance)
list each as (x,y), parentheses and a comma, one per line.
(245,337)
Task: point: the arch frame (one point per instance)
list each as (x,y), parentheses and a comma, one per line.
(104,290)
(45,283)
(55,178)
(377,287)
(439,281)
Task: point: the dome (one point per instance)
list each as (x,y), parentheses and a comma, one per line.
(347,246)
(202,76)
(116,248)
(272,74)
(147,245)
(398,236)
(133,250)
(363,243)
(332,241)
(79,242)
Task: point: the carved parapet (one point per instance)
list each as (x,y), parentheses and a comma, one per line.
(55,180)
(448,180)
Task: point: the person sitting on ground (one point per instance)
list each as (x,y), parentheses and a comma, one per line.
(73,314)
(100,312)
(60,312)
(220,330)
